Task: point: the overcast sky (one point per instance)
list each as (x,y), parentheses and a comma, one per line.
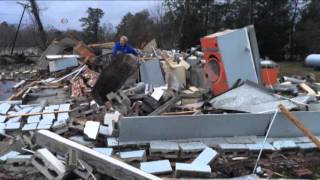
(66,14)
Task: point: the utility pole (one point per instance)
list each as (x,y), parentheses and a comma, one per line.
(16,35)
(35,12)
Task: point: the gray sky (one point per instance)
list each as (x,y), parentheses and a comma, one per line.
(69,12)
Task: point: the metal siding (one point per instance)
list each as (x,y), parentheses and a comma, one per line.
(238,62)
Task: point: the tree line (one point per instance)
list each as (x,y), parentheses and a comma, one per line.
(286,29)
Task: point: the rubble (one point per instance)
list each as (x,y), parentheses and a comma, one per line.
(153,116)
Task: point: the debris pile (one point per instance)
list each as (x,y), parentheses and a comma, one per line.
(91,115)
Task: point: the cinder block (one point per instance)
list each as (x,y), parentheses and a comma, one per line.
(34,119)
(112,142)
(129,156)
(19,159)
(156,167)
(2,125)
(242,140)
(30,127)
(233,147)
(2,118)
(285,144)
(258,146)
(104,130)
(44,126)
(110,119)
(164,148)
(207,156)
(306,146)
(60,126)
(48,164)
(13,126)
(8,155)
(4,108)
(192,170)
(105,151)
(191,147)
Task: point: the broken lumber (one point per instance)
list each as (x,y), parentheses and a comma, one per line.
(299,125)
(102,163)
(178,113)
(20,93)
(166,105)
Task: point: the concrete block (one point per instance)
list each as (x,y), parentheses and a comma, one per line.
(241,140)
(48,116)
(34,119)
(233,147)
(164,148)
(105,151)
(13,120)
(192,147)
(59,124)
(207,156)
(2,118)
(19,159)
(13,126)
(3,132)
(63,116)
(17,108)
(91,129)
(307,146)
(302,140)
(156,167)
(258,146)
(192,170)
(110,119)
(30,127)
(2,125)
(44,126)
(214,142)
(104,130)
(4,108)
(60,127)
(48,164)
(9,154)
(46,121)
(129,156)
(285,144)
(54,107)
(64,107)
(112,142)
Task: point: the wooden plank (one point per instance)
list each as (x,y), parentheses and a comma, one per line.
(102,163)
(299,125)
(308,89)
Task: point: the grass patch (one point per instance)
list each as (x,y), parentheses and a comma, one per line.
(297,68)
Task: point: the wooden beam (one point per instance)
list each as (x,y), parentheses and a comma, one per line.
(102,163)
(300,125)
